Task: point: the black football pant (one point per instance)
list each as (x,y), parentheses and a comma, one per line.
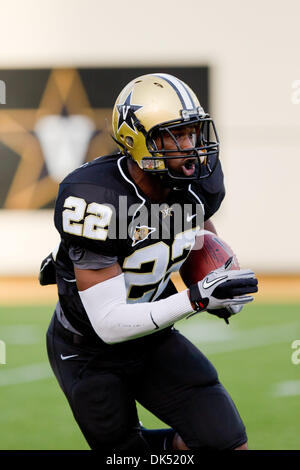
(170,377)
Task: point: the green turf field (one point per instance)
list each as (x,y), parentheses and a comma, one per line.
(252,356)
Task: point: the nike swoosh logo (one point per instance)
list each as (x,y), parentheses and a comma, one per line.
(190,217)
(69,280)
(206,284)
(63,358)
(156,326)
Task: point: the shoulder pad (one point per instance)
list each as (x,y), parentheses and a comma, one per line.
(84,217)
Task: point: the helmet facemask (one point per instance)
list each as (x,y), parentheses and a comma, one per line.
(202,155)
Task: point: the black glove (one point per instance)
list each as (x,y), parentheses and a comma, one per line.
(223,290)
(226,312)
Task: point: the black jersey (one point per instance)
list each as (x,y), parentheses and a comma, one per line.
(99,208)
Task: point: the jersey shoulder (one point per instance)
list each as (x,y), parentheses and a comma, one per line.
(211,191)
(97,181)
(101,172)
(87,203)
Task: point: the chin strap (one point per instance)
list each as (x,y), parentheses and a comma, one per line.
(138,125)
(121,145)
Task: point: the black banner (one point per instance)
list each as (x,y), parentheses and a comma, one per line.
(55,120)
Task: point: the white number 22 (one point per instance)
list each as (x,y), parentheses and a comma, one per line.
(165,261)
(92,225)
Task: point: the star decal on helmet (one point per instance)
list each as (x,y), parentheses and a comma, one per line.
(126,111)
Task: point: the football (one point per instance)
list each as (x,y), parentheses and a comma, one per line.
(211,254)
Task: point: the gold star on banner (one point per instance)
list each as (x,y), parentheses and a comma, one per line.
(31,186)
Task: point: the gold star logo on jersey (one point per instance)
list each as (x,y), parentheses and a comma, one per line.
(141,233)
(166,211)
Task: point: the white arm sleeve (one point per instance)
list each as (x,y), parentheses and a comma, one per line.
(115,321)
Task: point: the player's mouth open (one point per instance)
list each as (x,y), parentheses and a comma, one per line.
(188,167)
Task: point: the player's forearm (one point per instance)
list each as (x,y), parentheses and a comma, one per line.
(116,321)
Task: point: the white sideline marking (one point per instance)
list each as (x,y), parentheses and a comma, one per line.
(233,340)
(287,389)
(206,332)
(22,334)
(29,373)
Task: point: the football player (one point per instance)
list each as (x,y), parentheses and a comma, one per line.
(127,221)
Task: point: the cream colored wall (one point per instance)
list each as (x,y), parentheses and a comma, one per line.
(252,48)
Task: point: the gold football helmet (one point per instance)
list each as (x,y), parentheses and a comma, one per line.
(155,106)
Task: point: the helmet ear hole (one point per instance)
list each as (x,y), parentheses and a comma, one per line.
(129,141)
